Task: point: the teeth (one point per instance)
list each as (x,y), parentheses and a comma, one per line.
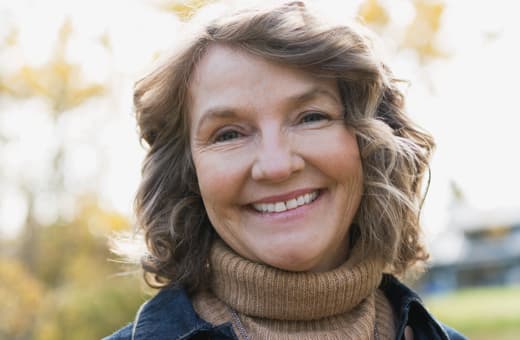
(291,204)
(287,205)
(280,206)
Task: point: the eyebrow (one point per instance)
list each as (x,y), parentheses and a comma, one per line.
(229,112)
(312,93)
(216,113)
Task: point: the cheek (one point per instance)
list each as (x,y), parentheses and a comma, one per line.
(337,153)
(347,152)
(219,179)
(349,177)
(341,161)
(350,174)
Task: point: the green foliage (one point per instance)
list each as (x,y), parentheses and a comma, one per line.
(80,311)
(76,291)
(21,296)
(62,283)
(482,313)
(76,250)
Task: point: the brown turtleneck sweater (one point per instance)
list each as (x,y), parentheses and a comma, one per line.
(343,303)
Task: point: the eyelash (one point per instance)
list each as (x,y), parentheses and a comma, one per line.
(313,114)
(223,136)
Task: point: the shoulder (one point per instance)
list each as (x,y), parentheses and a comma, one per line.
(167,304)
(168,315)
(121,334)
(410,311)
(170,312)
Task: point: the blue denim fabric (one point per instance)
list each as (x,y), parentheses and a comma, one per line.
(409,310)
(170,316)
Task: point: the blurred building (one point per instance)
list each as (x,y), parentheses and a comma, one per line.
(480,248)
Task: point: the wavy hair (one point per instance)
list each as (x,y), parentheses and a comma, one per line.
(394,151)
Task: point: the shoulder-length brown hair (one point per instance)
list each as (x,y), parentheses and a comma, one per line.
(394,151)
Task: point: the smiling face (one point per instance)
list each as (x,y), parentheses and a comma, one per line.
(279,172)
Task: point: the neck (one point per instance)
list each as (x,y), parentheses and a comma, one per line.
(262,291)
(262,302)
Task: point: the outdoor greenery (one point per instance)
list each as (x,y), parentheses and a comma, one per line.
(75,291)
(480,313)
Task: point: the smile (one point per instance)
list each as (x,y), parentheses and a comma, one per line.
(286,205)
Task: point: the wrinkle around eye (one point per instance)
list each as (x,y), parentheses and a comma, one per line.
(318,124)
(204,145)
(314,114)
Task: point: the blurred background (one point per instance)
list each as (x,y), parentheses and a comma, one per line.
(70,157)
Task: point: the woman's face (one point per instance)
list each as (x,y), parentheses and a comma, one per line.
(279,173)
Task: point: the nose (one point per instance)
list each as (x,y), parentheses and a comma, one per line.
(276,159)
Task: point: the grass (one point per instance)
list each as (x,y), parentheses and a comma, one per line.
(480,313)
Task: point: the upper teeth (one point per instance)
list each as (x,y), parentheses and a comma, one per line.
(286,205)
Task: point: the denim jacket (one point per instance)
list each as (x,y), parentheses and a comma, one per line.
(170,315)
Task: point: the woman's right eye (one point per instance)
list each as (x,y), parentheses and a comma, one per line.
(226,136)
(313,117)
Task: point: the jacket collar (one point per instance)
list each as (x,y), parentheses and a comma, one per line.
(409,310)
(170,315)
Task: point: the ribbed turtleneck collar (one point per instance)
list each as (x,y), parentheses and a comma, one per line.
(262,291)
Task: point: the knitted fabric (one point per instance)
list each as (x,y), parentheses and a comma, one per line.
(343,303)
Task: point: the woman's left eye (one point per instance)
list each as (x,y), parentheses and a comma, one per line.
(227,136)
(311,117)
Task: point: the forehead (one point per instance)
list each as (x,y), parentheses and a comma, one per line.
(228,76)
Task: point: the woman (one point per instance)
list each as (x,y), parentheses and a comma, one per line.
(281,189)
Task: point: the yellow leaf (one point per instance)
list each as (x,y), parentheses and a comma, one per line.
(21,296)
(57,80)
(33,80)
(422,32)
(12,37)
(79,95)
(105,41)
(6,89)
(372,13)
(184,9)
(65,31)
(61,69)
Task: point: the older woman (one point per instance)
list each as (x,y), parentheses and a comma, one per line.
(281,189)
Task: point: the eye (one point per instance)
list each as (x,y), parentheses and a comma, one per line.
(226,136)
(311,117)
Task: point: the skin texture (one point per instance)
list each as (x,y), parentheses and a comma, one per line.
(263,132)
(408,333)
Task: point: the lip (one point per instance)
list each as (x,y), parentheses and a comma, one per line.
(278,220)
(285,197)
